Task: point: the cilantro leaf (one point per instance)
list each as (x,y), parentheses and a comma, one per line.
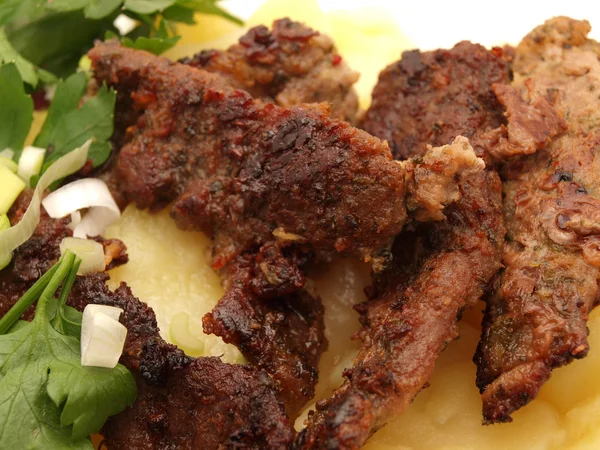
(147,6)
(97,9)
(178,13)
(16,113)
(93,120)
(30,74)
(48,400)
(41,372)
(66,99)
(208,7)
(156,45)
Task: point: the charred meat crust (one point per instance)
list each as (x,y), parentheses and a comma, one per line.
(276,324)
(429,98)
(183,402)
(288,65)
(439,269)
(536,320)
(238,169)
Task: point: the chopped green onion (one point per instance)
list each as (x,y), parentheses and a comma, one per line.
(8,163)
(34,292)
(102,336)
(16,235)
(90,252)
(182,336)
(10,188)
(30,163)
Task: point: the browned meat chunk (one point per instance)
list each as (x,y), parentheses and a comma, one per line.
(290,65)
(437,272)
(537,318)
(430,98)
(241,170)
(441,268)
(276,325)
(182,402)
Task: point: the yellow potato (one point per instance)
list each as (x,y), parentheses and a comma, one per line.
(169,269)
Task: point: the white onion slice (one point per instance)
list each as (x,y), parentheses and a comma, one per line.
(90,252)
(89,193)
(8,153)
(30,163)
(102,336)
(66,165)
(10,188)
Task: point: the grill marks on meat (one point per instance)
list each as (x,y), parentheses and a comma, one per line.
(290,65)
(182,402)
(439,269)
(537,319)
(274,322)
(430,98)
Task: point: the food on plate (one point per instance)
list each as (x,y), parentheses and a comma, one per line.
(536,315)
(243,179)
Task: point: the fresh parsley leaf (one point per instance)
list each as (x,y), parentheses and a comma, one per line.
(11,10)
(47,399)
(208,7)
(178,13)
(147,6)
(67,5)
(30,74)
(94,120)
(97,9)
(154,45)
(16,113)
(66,99)
(56,41)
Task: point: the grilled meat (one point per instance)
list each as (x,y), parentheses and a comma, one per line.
(183,402)
(439,269)
(536,320)
(240,170)
(288,66)
(274,322)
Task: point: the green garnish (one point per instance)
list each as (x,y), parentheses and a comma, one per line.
(16,111)
(55,34)
(48,400)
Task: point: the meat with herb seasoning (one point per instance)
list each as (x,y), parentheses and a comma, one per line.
(288,65)
(536,320)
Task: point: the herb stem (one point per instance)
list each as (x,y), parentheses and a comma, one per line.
(65,264)
(28,299)
(66,289)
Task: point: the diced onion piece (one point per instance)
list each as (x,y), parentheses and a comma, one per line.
(4,225)
(8,153)
(8,163)
(30,162)
(75,220)
(16,235)
(182,336)
(102,336)
(10,188)
(90,252)
(89,193)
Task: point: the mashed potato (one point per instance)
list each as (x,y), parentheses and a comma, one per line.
(169,269)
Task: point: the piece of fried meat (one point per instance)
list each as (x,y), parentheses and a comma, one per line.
(536,320)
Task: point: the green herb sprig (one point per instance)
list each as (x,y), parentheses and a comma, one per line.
(48,400)
(54,34)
